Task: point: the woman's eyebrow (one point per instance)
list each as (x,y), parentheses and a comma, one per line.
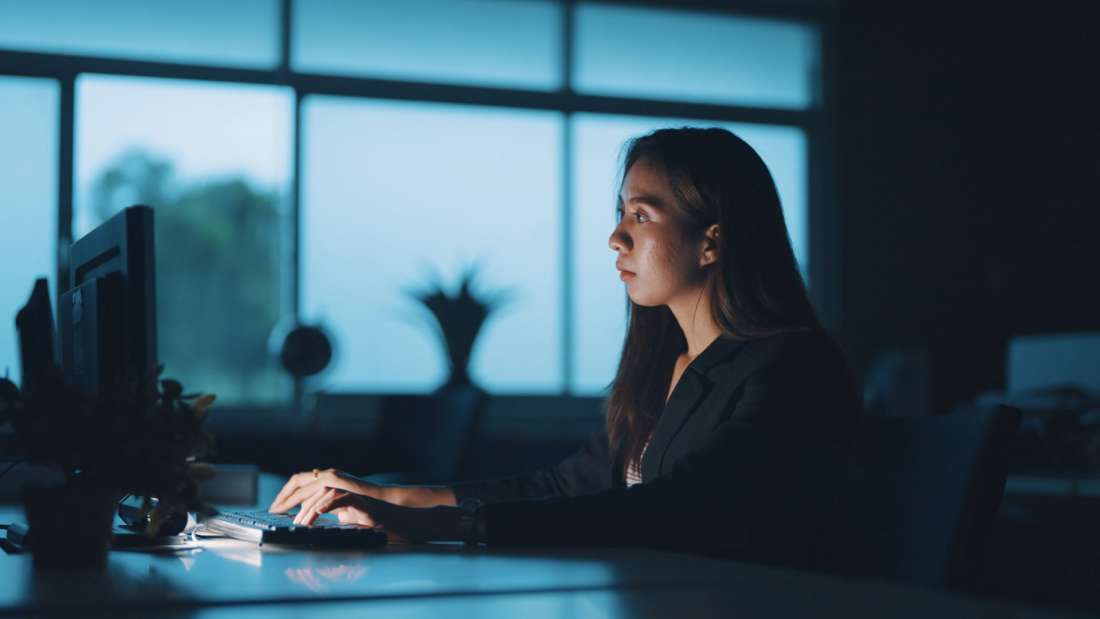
(647,199)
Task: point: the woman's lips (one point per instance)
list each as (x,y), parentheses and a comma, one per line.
(623,273)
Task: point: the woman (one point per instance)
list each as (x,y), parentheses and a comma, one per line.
(730,413)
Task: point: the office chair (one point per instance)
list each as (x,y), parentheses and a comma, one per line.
(920,496)
(429,438)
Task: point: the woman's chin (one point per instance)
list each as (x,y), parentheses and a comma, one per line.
(642,299)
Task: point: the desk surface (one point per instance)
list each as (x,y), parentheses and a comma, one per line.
(234,579)
(229,578)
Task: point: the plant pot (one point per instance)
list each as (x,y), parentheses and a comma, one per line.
(69,527)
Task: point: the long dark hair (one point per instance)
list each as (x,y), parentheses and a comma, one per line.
(755,286)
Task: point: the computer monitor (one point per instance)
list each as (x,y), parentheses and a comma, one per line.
(107,319)
(37,355)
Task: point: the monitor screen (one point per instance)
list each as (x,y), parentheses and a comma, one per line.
(107,319)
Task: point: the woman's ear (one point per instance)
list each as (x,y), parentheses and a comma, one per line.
(710,246)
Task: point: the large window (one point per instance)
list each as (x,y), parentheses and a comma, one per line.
(330,166)
(28,200)
(684,55)
(400,196)
(242,32)
(496,42)
(214,162)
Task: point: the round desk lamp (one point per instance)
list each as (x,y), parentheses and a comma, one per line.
(306,350)
(302,350)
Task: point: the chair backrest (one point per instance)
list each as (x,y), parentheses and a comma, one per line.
(430,435)
(920,496)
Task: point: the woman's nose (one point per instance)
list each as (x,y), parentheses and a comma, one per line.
(618,240)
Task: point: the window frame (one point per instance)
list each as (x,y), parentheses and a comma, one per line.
(823,222)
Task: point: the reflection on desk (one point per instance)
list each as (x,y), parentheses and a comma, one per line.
(232,579)
(315,578)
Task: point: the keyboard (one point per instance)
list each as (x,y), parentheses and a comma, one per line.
(261,527)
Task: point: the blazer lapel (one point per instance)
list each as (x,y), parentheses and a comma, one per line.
(685,398)
(690,391)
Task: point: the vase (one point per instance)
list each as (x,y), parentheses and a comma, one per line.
(457,378)
(69,526)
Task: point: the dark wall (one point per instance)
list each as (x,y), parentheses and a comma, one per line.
(967,168)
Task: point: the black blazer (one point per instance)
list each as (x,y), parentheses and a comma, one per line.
(741,463)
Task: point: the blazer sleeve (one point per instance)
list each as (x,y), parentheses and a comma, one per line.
(757,488)
(585,472)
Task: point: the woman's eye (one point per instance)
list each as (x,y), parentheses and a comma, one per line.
(637,215)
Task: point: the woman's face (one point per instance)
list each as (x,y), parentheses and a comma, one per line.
(657,258)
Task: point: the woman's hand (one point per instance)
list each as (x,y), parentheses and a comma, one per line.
(402,524)
(306,488)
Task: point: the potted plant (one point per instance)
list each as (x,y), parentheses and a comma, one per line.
(430,438)
(143,439)
(459,318)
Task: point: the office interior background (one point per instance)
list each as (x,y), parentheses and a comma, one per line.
(320,161)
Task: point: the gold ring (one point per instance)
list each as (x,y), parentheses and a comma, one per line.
(316,473)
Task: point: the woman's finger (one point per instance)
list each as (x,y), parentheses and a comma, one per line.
(315,511)
(343,500)
(292,485)
(307,515)
(313,499)
(309,486)
(350,515)
(299,496)
(306,479)
(342,481)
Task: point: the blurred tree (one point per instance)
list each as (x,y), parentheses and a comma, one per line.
(219,273)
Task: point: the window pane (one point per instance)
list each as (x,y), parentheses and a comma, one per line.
(28,201)
(396,191)
(693,56)
(495,43)
(213,160)
(239,33)
(599,304)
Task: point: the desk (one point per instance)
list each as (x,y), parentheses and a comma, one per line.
(232,579)
(1044,544)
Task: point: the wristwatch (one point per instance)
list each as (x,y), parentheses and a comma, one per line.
(470,522)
